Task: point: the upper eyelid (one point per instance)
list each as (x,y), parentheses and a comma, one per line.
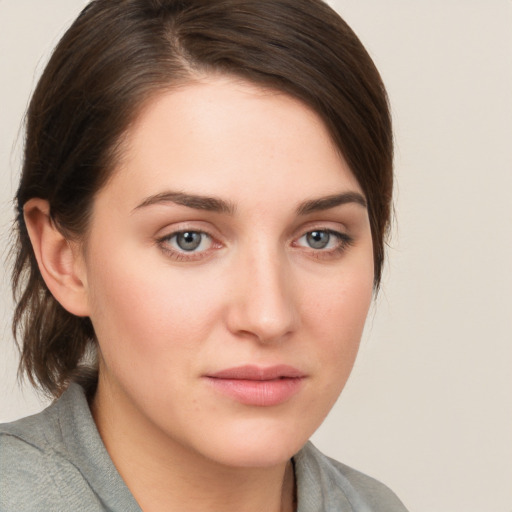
(228,232)
(214,233)
(167,238)
(320,225)
(338,234)
(181,255)
(344,242)
(182,227)
(185,230)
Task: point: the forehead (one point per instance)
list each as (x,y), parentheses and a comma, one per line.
(224,135)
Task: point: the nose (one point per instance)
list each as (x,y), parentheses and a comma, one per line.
(263,303)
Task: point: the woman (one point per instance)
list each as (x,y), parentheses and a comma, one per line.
(202,212)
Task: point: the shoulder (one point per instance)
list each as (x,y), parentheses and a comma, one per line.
(35,473)
(24,471)
(324,484)
(28,467)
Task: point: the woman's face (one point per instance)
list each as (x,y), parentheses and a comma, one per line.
(228,271)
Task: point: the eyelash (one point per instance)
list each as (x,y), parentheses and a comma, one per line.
(183,255)
(344,241)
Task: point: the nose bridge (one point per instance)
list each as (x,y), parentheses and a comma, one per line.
(264,304)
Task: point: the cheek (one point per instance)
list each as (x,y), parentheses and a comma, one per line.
(341,303)
(336,315)
(333,318)
(144,310)
(148,334)
(142,305)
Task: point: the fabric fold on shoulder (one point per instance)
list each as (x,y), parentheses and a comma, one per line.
(56,460)
(325,485)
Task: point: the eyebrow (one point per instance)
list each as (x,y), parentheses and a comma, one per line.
(326,203)
(198,202)
(214,204)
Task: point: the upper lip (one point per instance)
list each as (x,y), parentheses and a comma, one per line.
(253,372)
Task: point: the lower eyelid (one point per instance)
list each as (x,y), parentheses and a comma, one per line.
(336,234)
(168,246)
(343,243)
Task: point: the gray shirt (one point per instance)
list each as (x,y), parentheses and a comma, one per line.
(56,461)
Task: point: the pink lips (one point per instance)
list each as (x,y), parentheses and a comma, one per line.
(252,385)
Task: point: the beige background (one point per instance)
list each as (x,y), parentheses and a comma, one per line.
(428,409)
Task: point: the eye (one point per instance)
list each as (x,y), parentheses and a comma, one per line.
(324,243)
(189,241)
(318,239)
(321,239)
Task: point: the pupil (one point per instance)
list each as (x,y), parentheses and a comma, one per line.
(188,241)
(318,239)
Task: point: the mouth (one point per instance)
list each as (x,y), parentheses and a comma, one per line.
(258,386)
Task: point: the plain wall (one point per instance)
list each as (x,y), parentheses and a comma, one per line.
(428,409)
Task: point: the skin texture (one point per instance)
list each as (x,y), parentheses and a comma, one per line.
(253,292)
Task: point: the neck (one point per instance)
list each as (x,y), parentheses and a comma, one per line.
(163,475)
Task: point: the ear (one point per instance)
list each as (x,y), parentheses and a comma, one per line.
(60,260)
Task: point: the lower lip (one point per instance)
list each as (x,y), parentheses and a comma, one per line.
(262,393)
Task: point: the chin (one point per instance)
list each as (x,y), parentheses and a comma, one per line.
(258,455)
(257,445)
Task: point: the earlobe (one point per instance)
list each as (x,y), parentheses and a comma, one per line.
(58,258)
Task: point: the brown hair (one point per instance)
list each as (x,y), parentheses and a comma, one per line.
(119,53)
